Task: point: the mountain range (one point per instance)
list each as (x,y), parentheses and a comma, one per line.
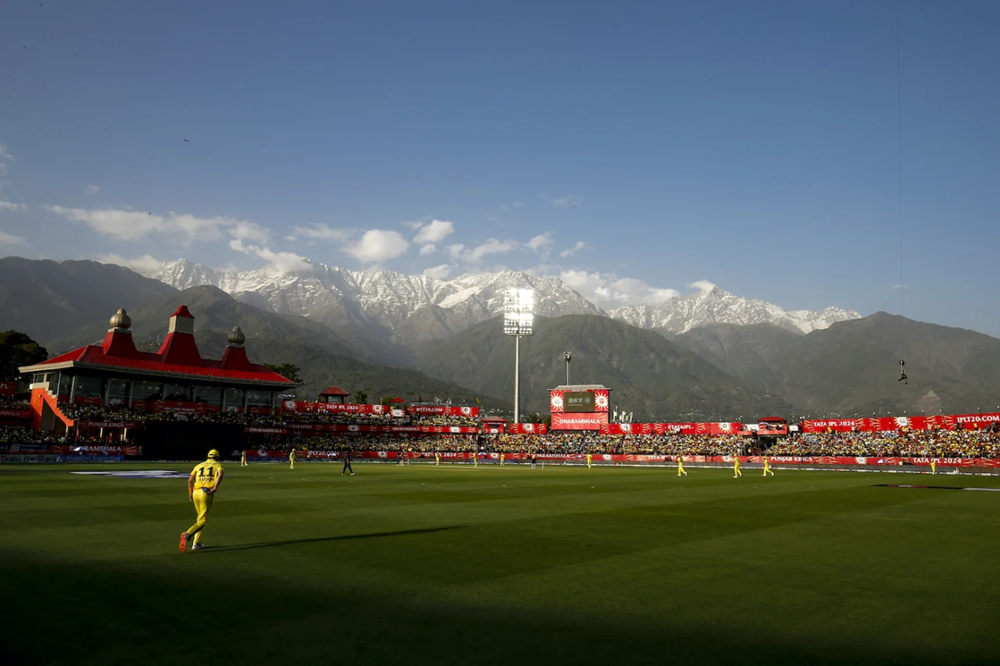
(708,355)
(413,311)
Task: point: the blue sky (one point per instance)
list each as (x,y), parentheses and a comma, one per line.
(637,147)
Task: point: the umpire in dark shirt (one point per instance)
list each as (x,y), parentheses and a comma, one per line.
(347,464)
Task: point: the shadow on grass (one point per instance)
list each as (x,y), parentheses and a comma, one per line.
(343,537)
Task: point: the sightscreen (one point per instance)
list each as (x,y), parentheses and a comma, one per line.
(578,401)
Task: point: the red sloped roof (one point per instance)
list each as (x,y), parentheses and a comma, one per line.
(335,390)
(183,311)
(93,355)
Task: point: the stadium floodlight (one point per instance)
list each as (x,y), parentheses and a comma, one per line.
(567,356)
(518,320)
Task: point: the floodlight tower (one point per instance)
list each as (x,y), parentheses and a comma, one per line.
(567,356)
(518,320)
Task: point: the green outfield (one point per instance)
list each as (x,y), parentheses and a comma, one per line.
(456,565)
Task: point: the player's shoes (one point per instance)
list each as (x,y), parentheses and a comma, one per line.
(198,546)
(352,473)
(184,541)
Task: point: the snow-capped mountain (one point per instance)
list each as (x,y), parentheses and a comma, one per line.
(714,305)
(415,306)
(412,309)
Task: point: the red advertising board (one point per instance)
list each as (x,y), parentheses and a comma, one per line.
(891,423)
(8,388)
(602,400)
(442,410)
(288,428)
(15,413)
(528,429)
(582,421)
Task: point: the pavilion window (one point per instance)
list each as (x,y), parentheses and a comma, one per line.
(118,390)
(89,387)
(210,395)
(234,398)
(143,391)
(176,393)
(258,398)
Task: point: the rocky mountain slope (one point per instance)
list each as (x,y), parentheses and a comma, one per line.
(415,311)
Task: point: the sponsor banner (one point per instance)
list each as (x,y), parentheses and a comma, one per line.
(975,421)
(770,429)
(92,459)
(93,402)
(342,427)
(262,430)
(452,456)
(711,429)
(112,425)
(8,388)
(334,408)
(558,404)
(904,423)
(29,458)
(25,447)
(15,413)
(592,421)
(91,450)
(442,410)
(528,429)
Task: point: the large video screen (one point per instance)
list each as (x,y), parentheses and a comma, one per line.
(578,401)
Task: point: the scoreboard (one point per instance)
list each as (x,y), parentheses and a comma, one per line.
(579,407)
(578,401)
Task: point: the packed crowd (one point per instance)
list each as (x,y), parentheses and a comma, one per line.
(90,413)
(926,443)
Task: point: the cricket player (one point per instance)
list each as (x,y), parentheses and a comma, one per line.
(534,460)
(347,464)
(502,458)
(933,465)
(737,474)
(590,459)
(204,481)
(291,459)
(767,466)
(243,458)
(437,458)
(680,467)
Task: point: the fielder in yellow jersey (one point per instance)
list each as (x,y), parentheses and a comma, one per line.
(736,467)
(202,484)
(767,466)
(933,466)
(502,458)
(590,458)
(680,467)
(437,458)
(243,458)
(291,459)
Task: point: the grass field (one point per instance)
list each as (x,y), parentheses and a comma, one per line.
(455,565)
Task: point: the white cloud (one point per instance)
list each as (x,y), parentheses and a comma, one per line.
(93,189)
(378,245)
(702,285)
(5,154)
(145,265)
(279,262)
(541,241)
(438,272)
(566,201)
(250,231)
(10,239)
(434,232)
(474,256)
(322,232)
(132,225)
(608,290)
(570,251)
(427,249)
(7,205)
